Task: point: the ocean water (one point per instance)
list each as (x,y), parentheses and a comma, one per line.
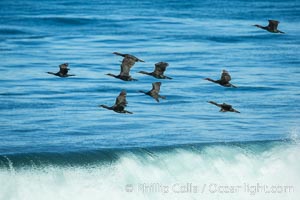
(57,143)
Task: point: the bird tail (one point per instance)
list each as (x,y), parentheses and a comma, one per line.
(236,111)
(162,97)
(233,86)
(133,79)
(142,92)
(126,111)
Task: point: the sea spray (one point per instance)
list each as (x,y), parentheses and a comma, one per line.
(259,170)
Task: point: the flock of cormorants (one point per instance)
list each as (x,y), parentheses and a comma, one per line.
(160,67)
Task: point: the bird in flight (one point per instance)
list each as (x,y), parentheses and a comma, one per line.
(127,63)
(159,70)
(154,92)
(120,104)
(224,107)
(224,80)
(63,71)
(272,26)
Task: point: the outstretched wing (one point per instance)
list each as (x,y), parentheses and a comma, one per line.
(156,87)
(273,24)
(126,65)
(225,77)
(121,100)
(127,62)
(63,68)
(155,90)
(124,55)
(160,68)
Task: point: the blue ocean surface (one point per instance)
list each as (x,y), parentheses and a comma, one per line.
(57,143)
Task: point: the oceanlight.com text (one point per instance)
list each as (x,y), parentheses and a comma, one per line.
(209,188)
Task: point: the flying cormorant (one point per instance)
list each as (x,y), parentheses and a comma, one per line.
(119,105)
(159,70)
(127,62)
(272,26)
(224,107)
(224,81)
(154,92)
(63,71)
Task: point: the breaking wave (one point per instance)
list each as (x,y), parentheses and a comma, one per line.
(256,170)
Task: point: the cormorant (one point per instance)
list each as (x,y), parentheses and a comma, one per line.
(224,107)
(127,63)
(119,105)
(63,71)
(154,92)
(159,70)
(224,81)
(272,26)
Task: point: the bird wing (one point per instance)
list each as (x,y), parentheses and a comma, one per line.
(225,77)
(121,100)
(273,24)
(127,62)
(126,65)
(160,68)
(156,87)
(119,54)
(63,68)
(154,91)
(134,58)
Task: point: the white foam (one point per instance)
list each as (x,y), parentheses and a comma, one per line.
(214,172)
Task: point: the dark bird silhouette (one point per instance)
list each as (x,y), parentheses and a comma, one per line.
(120,104)
(127,63)
(154,92)
(224,107)
(159,70)
(224,81)
(272,26)
(63,71)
